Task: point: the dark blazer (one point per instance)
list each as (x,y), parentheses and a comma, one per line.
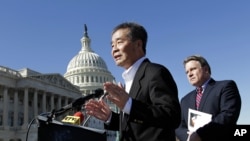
(155,111)
(222,100)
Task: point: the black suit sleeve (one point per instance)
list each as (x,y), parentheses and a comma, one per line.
(114,122)
(181,131)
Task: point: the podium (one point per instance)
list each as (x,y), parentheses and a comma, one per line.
(57,131)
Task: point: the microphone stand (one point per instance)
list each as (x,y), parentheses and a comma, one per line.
(76,104)
(50,116)
(101,98)
(87,119)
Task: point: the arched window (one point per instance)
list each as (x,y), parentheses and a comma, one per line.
(96,78)
(77,79)
(87,79)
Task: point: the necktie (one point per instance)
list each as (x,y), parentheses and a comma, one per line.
(198,97)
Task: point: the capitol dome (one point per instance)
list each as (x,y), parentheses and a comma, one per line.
(87,69)
(86,60)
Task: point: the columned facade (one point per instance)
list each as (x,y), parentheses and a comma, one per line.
(24,98)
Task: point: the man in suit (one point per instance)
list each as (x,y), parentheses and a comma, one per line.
(149,105)
(221,99)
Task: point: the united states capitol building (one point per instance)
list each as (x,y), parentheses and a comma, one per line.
(26,93)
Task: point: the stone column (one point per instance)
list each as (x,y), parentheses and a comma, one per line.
(44,102)
(5,107)
(16,109)
(52,102)
(59,104)
(85,78)
(66,101)
(35,103)
(26,108)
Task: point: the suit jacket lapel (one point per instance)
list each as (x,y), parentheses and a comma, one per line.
(208,88)
(192,100)
(134,90)
(136,86)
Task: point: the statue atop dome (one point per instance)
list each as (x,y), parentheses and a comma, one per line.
(85,31)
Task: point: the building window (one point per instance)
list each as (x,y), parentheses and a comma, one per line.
(20,119)
(11,119)
(87,79)
(77,79)
(11,99)
(20,101)
(96,78)
(30,103)
(1,119)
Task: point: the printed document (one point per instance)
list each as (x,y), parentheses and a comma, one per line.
(197,119)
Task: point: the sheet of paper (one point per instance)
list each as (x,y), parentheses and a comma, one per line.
(197,119)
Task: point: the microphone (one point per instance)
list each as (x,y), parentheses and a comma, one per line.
(77,119)
(104,94)
(80,115)
(80,101)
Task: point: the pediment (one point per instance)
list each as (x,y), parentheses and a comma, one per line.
(56,79)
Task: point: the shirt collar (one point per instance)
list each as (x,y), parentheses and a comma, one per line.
(205,85)
(129,74)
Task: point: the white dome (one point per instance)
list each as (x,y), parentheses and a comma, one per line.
(87,69)
(85,59)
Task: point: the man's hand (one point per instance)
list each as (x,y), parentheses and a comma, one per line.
(98,109)
(193,136)
(116,94)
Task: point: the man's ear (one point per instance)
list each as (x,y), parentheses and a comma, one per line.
(206,69)
(139,48)
(139,43)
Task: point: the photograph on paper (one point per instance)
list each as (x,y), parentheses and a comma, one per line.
(197,119)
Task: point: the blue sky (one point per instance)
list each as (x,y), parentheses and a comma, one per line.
(44,35)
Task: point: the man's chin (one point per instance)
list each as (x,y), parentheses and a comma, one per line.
(118,63)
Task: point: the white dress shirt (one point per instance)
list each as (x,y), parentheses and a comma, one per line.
(128,76)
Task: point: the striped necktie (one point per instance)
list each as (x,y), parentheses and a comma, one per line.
(198,97)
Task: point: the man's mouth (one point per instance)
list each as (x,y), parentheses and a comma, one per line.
(117,57)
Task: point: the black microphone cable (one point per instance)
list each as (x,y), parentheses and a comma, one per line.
(31,122)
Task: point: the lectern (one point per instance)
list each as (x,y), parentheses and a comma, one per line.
(52,130)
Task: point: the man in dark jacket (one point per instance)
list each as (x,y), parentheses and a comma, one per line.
(149,104)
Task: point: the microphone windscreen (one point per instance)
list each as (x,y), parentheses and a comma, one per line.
(79,114)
